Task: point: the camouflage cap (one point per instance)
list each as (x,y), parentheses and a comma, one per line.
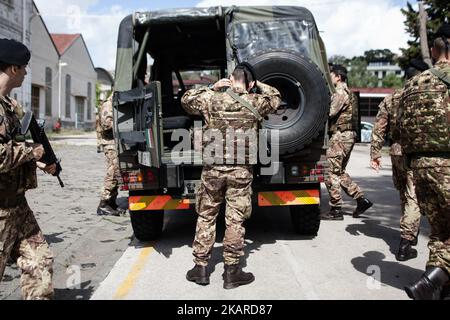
(14,52)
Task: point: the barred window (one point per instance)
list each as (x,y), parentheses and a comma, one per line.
(89,101)
(48,92)
(68,95)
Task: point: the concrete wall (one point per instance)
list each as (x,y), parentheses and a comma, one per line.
(15,18)
(82,71)
(44,55)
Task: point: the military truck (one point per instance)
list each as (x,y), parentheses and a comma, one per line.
(157,50)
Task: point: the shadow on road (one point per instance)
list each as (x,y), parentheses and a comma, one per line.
(84,293)
(374,229)
(393,274)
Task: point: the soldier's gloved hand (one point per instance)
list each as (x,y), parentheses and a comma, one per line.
(376,164)
(38,151)
(224,83)
(50,169)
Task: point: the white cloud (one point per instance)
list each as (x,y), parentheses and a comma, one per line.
(99,30)
(348,27)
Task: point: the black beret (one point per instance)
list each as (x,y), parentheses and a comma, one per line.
(443,31)
(419,65)
(14,53)
(339,69)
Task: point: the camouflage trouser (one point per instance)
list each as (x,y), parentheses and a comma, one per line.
(338,155)
(433,195)
(234,184)
(111,184)
(22,240)
(404,182)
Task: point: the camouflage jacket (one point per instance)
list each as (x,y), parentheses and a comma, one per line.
(229,124)
(17,165)
(424,113)
(386,126)
(106,123)
(341,113)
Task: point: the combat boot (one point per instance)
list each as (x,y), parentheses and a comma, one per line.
(446,292)
(363,205)
(430,286)
(335,214)
(416,239)
(199,275)
(104,209)
(405,251)
(234,277)
(113,204)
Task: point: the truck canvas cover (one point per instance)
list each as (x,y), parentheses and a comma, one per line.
(247,31)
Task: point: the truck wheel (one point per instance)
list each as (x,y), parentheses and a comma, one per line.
(305,97)
(306,219)
(147,225)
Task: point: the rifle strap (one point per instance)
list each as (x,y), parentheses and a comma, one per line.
(443,76)
(245,103)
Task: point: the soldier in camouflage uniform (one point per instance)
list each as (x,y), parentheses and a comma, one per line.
(98,131)
(424,118)
(386,127)
(225,178)
(20,236)
(343,138)
(108,203)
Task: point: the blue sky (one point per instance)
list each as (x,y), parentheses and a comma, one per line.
(348,27)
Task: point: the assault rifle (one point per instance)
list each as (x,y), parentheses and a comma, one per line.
(38,135)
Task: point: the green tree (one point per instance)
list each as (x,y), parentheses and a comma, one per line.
(377,55)
(392,81)
(338,59)
(438,13)
(358,76)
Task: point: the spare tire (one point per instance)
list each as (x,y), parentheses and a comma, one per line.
(305,95)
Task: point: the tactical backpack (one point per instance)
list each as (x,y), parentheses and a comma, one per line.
(354,102)
(424,114)
(393,129)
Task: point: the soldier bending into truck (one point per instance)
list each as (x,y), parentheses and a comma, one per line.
(235,109)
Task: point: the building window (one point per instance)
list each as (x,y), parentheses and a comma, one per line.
(68,94)
(35,91)
(48,92)
(89,101)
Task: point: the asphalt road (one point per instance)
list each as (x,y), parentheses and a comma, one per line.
(353,259)
(97,258)
(85,246)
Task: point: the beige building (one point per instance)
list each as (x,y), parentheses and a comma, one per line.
(61,81)
(15,18)
(78,78)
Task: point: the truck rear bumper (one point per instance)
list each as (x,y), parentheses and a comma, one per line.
(265,199)
(152,203)
(289,198)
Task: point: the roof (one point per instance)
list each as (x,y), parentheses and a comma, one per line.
(104,75)
(64,41)
(374,92)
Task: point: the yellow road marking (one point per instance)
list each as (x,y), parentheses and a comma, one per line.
(133,275)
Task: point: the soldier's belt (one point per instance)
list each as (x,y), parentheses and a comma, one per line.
(429,155)
(12,201)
